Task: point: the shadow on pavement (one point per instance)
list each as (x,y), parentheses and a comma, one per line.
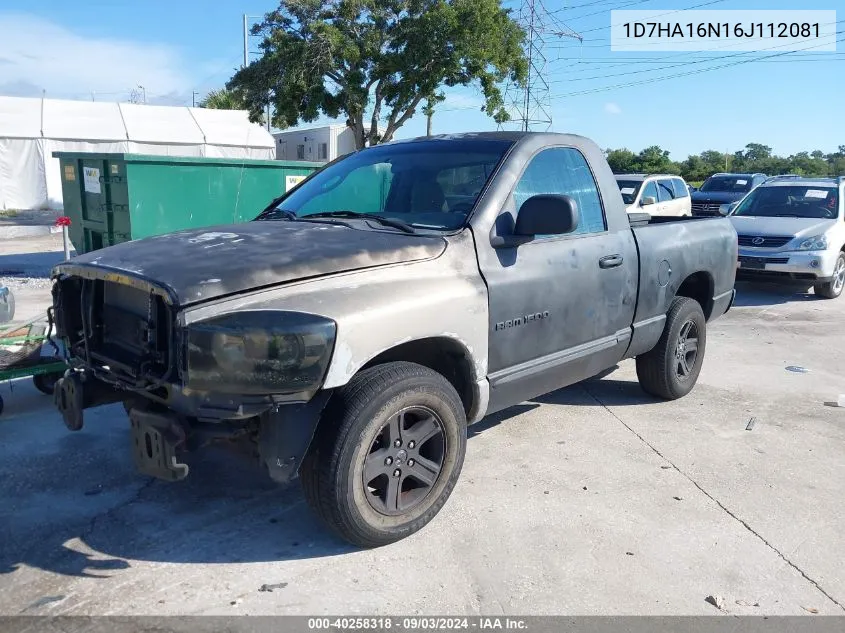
(615,392)
(79,509)
(74,505)
(753,294)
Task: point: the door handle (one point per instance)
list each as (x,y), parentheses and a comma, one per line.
(610,261)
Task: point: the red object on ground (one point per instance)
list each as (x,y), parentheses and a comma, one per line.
(63,220)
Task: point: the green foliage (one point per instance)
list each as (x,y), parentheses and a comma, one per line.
(755,158)
(223,100)
(336,57)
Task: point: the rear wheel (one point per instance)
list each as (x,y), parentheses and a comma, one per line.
(670,370)
(833,288)
(387,454)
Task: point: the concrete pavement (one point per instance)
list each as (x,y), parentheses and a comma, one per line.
(595,499)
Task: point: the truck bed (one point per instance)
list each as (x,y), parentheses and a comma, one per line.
(681,255)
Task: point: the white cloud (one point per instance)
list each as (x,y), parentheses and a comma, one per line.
(36,55)
(612,108)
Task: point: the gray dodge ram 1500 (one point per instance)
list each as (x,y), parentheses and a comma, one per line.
(354,329)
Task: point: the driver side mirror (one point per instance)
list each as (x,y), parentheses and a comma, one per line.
(543,214)
(725,209)
(648,201)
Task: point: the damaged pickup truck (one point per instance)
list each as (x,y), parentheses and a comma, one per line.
(354,329)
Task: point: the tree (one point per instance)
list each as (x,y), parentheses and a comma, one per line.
(755,152)
(622,161)
(223,100)
(336,57)
(653,160)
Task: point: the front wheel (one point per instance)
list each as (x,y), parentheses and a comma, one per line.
(833,288)
(670,370)
(387,454)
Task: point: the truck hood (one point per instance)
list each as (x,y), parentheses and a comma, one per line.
(721,197)
(797,227)
(203,264)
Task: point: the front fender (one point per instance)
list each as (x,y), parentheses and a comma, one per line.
(380,308)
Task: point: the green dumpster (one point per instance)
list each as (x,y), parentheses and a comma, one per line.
(113,198)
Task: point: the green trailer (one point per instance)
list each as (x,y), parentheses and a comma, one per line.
(113,198)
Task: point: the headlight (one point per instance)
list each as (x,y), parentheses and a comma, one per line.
(259,352)
(817,243)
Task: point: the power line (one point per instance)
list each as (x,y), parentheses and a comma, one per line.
(674,65)
(701,60)
(656,15)
(621,6)
(687,54)
(685,74)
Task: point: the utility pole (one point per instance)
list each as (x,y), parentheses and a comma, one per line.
(246,40)
(530,104)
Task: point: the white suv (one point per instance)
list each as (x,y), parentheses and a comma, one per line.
(793,228)
(655,194)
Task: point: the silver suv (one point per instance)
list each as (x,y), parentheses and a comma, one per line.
(793,228)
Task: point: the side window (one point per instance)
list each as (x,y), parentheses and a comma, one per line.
(563,170)
(680,187)
(649,191)
(665,192)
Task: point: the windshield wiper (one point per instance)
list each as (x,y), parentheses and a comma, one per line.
(396,224)
(269,214)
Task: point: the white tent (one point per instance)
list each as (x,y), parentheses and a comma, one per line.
(32,129)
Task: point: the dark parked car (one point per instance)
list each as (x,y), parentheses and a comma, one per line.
(352,338)
(720,189)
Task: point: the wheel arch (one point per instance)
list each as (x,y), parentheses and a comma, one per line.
(445,355)
(699,286)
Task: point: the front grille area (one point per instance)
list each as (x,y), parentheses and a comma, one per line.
(764,241)
(106,324)
(761,261)
(705,208)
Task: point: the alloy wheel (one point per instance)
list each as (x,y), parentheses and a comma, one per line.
(404,461)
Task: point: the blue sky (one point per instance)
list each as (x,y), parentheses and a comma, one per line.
(102,49)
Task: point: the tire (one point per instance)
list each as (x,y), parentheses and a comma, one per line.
(355,439)
(833,288)
(661,370)
(45,383)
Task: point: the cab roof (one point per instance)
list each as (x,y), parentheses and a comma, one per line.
(644,176)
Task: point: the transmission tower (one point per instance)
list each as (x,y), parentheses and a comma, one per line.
(530,105)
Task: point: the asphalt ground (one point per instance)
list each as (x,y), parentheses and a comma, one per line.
(595,499)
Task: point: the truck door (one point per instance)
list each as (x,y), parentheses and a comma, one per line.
(561,306)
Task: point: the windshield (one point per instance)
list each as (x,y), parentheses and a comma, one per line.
(629,189)
(427,184)
(736,184)
(791,202)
